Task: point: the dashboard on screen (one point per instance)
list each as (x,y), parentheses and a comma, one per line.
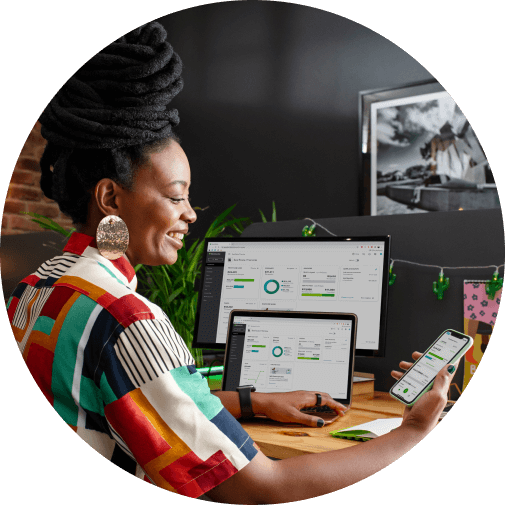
(337,274)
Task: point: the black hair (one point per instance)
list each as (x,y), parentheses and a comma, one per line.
(108,117)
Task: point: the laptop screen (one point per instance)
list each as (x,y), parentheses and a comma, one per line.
(289,351)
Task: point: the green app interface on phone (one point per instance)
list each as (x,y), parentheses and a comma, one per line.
(425,370)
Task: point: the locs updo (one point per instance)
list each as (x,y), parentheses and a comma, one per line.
(108,116)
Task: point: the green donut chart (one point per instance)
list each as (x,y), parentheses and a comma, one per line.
(277,351)
(274,290)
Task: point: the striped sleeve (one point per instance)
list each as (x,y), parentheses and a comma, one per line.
(174,427)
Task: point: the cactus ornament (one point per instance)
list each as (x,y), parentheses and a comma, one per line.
(441,285)
(309,231)
(392,276)
(494,285)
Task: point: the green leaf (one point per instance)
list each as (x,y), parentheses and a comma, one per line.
(196,258)
(274,213)
(235,220)
(154,295)
(263,218)
(217,222)
(48,224)
(175,294)
(193,245)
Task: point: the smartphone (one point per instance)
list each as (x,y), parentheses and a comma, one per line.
(448,348)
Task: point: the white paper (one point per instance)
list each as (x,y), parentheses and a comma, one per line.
(377,427)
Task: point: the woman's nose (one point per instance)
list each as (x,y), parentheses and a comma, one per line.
(189,215)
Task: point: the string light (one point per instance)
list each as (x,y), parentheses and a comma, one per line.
(392,276)
(442,283)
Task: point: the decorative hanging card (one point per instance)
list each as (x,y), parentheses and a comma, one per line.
(480,311)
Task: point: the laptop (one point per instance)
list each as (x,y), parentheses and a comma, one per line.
(281,351)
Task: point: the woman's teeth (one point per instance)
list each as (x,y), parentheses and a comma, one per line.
(172,234)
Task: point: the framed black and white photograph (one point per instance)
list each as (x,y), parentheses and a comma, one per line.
(419,153)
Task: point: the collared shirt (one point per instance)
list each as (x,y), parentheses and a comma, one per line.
(112,365)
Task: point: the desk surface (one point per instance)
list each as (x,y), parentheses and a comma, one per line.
(276,440)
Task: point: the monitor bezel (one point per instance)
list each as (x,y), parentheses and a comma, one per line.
(360,353)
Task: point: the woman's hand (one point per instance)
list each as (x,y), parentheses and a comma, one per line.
(424,414)
(285,407)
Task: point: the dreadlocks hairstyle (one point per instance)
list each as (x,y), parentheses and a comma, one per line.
(106,119)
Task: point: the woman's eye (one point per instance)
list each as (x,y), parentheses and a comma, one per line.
(176,200)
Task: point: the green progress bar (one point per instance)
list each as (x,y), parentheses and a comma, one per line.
(258,346)
(303,357)
(243,280)
(435,355)
(318,294)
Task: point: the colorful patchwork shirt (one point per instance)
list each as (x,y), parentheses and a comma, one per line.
(112,365)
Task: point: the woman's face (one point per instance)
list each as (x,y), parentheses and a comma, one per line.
(157,210)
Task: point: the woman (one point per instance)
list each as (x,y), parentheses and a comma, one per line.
(107,359)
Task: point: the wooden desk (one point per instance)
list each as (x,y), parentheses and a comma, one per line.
(274,440)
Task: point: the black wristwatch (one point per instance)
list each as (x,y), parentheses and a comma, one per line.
(244,396)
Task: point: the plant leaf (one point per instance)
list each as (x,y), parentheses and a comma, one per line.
(196,258)
(175,294)
(217,222)
(235,220)
(48,224)
(193,245)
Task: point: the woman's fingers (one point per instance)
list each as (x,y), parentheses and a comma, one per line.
(405,365)
(416,355)
(396,375)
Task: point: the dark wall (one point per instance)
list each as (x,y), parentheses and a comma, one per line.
(269,110)
(415,317)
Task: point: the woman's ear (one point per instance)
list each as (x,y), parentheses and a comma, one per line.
(106,192)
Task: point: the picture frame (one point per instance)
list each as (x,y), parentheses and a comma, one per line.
(419,153)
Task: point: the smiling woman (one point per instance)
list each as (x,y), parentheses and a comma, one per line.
(107,359)
(156,208)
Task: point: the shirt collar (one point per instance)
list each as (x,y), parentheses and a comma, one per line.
(85,245)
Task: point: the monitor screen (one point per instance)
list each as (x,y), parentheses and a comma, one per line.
(330,274)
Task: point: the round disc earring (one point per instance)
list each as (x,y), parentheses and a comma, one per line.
(112,237)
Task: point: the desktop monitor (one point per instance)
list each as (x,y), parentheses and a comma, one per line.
(327,274)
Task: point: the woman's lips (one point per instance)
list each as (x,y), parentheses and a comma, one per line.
(175,239)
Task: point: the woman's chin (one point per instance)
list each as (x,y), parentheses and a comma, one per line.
(164,258)
(170,257)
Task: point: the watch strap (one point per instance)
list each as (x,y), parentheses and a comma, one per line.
(244,396)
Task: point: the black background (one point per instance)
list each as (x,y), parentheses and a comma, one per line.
(269,110)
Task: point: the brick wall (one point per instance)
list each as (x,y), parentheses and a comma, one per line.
(24,193)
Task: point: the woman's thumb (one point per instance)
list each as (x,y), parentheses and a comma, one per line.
(443,378)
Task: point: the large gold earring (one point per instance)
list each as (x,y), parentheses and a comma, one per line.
(112,237)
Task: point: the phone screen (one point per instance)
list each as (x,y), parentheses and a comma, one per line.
(414,382)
